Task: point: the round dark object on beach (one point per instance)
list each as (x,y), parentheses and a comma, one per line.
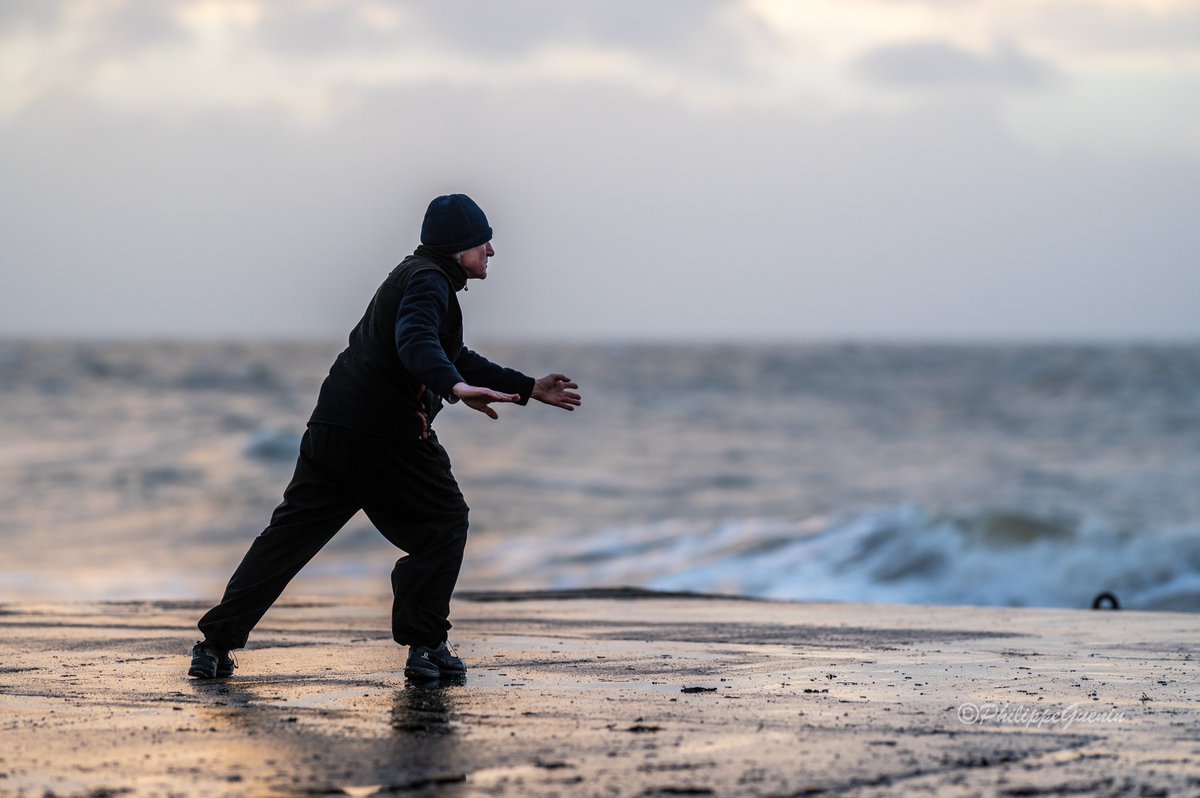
(1106,601)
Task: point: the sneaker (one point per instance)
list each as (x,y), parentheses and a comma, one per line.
(210,662)
(434,663)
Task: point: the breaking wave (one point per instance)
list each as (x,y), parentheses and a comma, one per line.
(893,555)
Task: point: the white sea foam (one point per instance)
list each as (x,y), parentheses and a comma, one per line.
(271,444)
(899,554)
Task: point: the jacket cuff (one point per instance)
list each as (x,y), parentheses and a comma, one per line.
(443,384)
(526,391)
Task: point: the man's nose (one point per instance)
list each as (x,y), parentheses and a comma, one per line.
(490,250)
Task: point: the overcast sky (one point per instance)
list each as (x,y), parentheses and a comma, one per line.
(703,169)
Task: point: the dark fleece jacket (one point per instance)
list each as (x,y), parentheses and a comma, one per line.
(407,353)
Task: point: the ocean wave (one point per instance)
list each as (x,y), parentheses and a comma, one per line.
(273,445)
(245,376)
(899,554)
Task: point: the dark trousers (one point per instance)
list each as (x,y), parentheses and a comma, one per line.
(408,493)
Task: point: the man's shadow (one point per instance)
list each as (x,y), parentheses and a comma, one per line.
(421,750)
(426,707)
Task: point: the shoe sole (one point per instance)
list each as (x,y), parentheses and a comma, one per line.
(203,673)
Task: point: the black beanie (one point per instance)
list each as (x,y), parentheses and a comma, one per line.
(453,223)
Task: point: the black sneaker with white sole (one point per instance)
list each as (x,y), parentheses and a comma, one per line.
(210,662)
(440,662)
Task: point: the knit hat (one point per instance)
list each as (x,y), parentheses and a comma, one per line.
(453,223)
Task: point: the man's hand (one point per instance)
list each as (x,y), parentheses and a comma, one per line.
(557,390)
(481,399)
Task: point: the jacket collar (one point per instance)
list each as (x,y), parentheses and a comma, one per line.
(447,263)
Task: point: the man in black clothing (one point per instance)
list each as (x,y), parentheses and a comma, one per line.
(370,446)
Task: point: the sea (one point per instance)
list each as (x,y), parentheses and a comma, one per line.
(973,474)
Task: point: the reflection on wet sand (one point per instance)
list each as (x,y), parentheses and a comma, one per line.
(248,710)
(424,707)
(415,744)
(425,744)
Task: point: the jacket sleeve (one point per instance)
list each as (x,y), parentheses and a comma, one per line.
(480,371)
(426,298)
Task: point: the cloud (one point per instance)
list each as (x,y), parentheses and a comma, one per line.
(616,216)
(1113,28)
(529,24)
(468,30)
(638,162)
(108,26)
(195,57)
(32,14)
(939,64)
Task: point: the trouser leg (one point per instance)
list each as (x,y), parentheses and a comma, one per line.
(420,509)
(314,508)
(423,582)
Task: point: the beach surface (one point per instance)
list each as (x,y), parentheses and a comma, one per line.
(606,693)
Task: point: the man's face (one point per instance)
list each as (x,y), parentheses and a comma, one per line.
(475,261)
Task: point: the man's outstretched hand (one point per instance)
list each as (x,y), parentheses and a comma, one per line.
(481,399)
(557,390)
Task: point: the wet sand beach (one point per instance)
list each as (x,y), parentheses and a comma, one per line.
(606,694)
